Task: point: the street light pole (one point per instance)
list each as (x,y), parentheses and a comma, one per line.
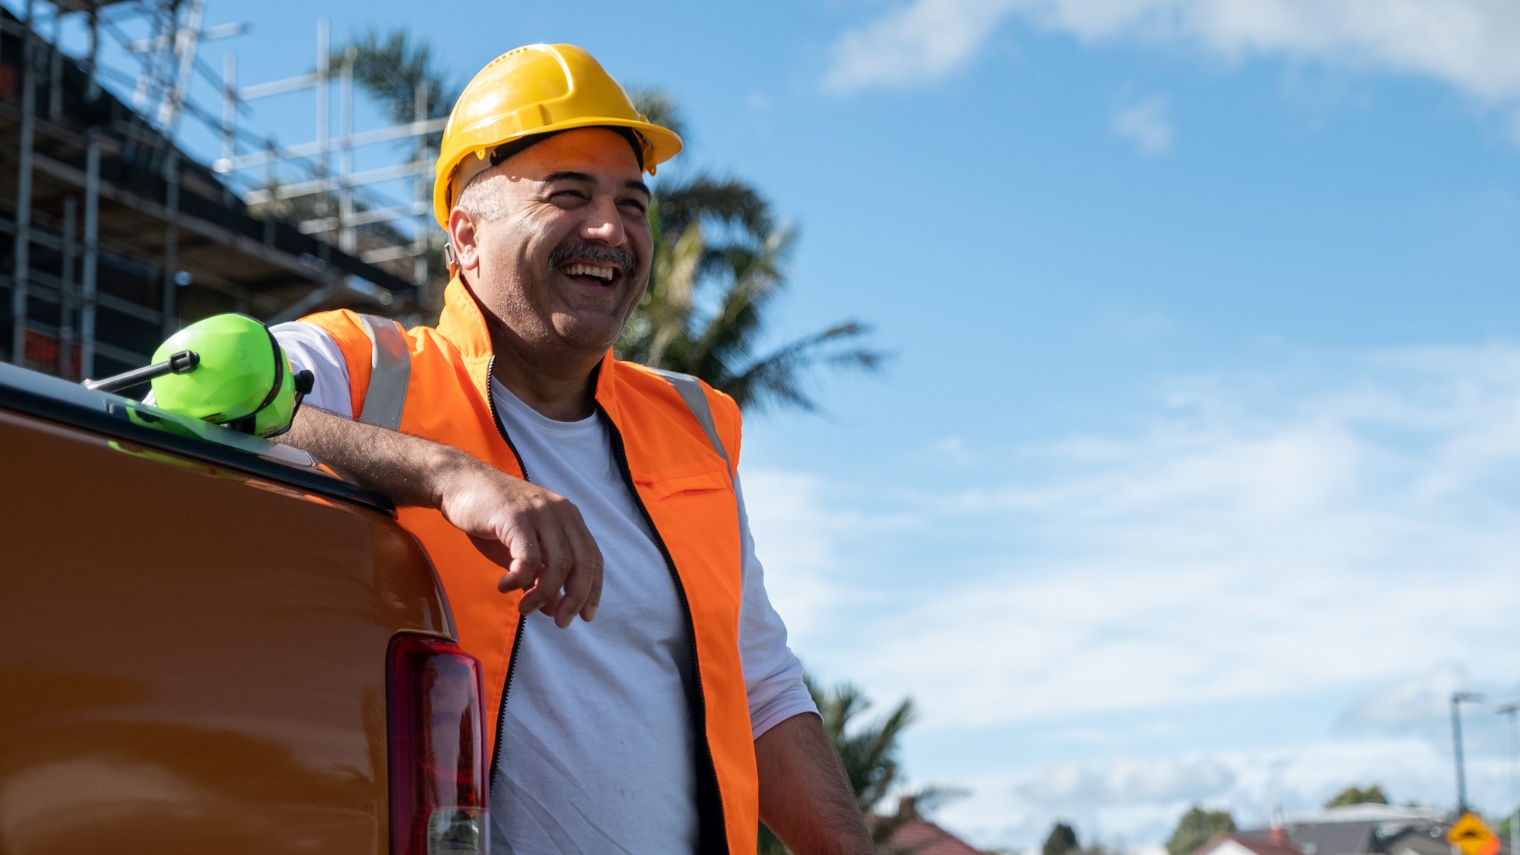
(1457,698)
(1509,710)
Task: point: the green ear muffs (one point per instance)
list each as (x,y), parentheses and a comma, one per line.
(242,380)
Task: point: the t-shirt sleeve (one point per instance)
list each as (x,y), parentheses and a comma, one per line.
(772,673)
(311,348)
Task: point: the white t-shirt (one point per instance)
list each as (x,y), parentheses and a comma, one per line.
(597,743)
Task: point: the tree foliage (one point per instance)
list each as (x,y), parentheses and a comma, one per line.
(720,261)
(390,67)
(868,753)
(1062,840)
(1197,827)
(660,108)
(1354,795)
(867,750)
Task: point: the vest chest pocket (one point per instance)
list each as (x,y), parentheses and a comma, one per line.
(661,489)
(698,518)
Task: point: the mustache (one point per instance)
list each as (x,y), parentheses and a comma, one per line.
(618,256)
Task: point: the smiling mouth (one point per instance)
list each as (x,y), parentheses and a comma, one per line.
(604,275)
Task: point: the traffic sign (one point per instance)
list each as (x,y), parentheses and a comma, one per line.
(1471,836)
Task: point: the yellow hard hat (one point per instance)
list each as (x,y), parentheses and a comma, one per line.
(537,89)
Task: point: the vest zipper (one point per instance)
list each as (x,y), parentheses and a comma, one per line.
(517,634)
(707,768)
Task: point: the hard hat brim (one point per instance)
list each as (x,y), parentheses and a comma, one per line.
(663,144)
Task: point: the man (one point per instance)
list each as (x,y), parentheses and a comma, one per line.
(510,439)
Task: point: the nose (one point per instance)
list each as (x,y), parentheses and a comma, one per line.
(603,223)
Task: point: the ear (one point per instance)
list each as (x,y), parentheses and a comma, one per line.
(463,237)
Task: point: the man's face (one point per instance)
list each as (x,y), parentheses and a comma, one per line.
(559,250)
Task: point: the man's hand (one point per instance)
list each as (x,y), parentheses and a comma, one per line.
(538,536)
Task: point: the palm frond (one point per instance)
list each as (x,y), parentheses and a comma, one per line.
(720,260)
(778,377)
(724,200)
(670,313)
(659,108)
(389,66)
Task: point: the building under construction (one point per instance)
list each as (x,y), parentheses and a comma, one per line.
(114,237)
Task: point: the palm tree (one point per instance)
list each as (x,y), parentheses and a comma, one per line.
(391,67)
(868,754)
(720,261)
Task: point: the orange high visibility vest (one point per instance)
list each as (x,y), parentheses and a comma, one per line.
(676,441)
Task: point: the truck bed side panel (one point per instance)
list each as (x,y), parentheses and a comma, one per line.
(191,659)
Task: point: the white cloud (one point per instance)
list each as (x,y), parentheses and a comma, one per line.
(924,40)
(1137,800)
(1127,780)
(1146,124)
(791,528)
(1469,44)
(1344,528)
(802,532)
(1410,705)
(1226,552)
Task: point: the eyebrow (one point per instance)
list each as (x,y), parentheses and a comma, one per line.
(567,176)
(632,184)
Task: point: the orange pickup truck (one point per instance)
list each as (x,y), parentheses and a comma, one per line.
(214,646)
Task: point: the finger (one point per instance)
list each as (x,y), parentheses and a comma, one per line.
(593,563)
(582,574)
(493,549)
(523,562)
(557,560)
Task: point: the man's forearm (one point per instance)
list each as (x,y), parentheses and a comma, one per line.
(405,469)
(537,536)
(804,797)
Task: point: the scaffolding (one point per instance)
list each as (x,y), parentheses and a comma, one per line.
(119,236)
(384,220)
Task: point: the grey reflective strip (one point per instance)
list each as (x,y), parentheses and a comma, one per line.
(690,389)
(390,368)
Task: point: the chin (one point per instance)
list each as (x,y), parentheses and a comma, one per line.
(588,334)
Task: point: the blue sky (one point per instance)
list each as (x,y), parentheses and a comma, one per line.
(1193,476)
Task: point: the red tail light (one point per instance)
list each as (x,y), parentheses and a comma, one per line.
(437,750)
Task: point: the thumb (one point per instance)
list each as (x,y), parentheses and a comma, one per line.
(522,546)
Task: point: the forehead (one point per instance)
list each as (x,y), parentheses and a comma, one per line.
(598,152)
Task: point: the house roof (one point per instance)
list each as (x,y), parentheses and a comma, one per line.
(1340,838)
(921,837)
(1246,844)
(1428,840)
(1373,830)
(1366,812)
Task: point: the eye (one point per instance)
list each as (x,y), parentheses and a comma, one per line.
(634,205)
(568,197)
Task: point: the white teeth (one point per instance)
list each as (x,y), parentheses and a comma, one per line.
(588,270)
